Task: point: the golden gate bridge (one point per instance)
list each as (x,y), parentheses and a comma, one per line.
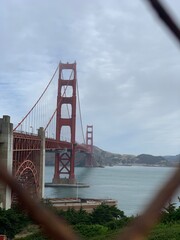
(50,125)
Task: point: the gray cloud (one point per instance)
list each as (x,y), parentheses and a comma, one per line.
(127,65)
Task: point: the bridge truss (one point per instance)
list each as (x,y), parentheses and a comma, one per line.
(29,147)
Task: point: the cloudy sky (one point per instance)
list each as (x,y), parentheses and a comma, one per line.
(127,65)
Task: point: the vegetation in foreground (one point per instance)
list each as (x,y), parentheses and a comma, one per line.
(104,222)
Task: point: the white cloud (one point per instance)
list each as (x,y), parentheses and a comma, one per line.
(127,65)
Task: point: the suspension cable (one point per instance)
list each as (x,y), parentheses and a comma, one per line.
(58,104)
(79,106)
(37,100)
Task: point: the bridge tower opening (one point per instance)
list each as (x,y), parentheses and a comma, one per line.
(89,143)
(64,158)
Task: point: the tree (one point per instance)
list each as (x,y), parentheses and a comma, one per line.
(104,214)
(12,222)
(170,213)
(75,217)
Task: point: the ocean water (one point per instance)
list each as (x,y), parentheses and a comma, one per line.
(132,186)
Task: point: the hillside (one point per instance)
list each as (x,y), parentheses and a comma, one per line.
(104,158)
(173,159)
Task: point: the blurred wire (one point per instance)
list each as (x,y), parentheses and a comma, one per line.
(55,227)
(165,17)
(143,224)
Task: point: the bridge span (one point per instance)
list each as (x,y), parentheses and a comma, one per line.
(22,152)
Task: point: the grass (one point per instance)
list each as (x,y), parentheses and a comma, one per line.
(170,231)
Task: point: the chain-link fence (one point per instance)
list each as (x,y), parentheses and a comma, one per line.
(57,229)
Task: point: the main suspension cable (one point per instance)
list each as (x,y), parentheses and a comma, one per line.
(58,104)
(37,100)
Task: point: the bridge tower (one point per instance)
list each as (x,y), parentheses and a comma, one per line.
(64,158)
(89,143)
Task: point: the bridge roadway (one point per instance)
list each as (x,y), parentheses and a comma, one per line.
(23,155)
(27,141)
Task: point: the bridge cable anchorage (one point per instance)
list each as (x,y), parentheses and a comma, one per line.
(79,106)
(37,100)
(64,92)
(165,17)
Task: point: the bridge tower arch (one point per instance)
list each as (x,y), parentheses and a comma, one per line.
(64,158)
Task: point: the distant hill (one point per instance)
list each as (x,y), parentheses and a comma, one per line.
(104,158)
(107,158)
(150,159)
(175,158)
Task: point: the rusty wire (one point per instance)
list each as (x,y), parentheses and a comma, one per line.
(58,229)
(53,226)
(143,224)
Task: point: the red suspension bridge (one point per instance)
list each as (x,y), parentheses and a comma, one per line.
(50,125)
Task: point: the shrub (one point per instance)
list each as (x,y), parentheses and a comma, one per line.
(91,230)
(170,214)
(75,217)
(104,214)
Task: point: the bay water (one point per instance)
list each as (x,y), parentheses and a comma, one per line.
(132,186)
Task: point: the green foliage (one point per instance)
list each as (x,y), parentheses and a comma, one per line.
(103,223)
(91,230)
(165,232)
(12,222)
(104,214)
(170,213)
(74,217)
(117,223)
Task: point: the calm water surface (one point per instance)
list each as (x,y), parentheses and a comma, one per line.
(132,186)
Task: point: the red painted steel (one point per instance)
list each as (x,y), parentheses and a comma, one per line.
(89,144)
(26,146)
(26,155)
(64,161)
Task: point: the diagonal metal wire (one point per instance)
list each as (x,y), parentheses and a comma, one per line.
(144,223)
(37,100)
(52,225)
(165,17)
(57,229)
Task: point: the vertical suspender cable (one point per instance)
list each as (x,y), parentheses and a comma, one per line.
(80,113)
(64,92)
(37,100)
